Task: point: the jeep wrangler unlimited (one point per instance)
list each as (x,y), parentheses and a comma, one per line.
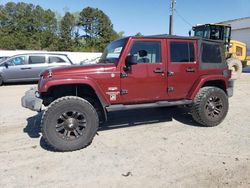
(133,72)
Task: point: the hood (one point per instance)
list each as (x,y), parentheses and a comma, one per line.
(79,70)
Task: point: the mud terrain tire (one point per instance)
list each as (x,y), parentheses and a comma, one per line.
(69,123)
(210,106)
(235,65)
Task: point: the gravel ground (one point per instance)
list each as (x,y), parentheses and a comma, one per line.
(144,148)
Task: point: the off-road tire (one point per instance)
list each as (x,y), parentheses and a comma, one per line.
(64,113)
(210,106)
(235,65)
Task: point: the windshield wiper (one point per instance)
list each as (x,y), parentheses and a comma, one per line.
(105,61)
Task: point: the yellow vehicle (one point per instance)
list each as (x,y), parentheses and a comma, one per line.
(236,50)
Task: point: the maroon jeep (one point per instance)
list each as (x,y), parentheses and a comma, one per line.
(133,72)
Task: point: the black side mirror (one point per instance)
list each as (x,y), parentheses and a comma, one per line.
(130,60)
(189,33)
(6,65)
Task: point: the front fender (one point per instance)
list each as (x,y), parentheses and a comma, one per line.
(45,84)
(202,80)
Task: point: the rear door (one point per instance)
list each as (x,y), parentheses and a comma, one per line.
(146,81)
(182,67)
(37,64)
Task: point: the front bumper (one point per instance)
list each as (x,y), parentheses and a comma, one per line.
(230,89)
(31,101)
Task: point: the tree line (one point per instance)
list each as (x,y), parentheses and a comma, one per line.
(30,27)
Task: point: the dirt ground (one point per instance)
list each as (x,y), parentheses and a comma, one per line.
(144,148)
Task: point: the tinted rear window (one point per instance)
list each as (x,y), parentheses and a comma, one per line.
(182,52)
(55,59)
(36,59)
(211,53)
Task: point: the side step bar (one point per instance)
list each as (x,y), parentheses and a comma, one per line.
(120,107)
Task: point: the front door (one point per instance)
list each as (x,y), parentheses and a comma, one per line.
(182,67)
(16,69)
(146,81)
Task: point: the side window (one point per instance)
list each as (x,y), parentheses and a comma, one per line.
(146,51)
(182,52)
(36,59)
(20,60)
(211,53)
(55,59)
(239,51)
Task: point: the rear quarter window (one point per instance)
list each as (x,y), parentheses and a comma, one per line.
(56,59)
(211,53)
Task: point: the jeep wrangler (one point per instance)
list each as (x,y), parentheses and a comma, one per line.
(133,72)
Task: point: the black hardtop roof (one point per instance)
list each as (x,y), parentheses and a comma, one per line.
(166,36)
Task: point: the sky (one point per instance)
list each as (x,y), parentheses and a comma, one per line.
(151,17)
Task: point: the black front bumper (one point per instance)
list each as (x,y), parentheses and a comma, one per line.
(31,101)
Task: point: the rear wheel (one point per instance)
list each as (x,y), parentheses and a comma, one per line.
(210,106)
(235,66)
(69,123)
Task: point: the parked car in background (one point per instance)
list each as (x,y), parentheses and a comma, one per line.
(2,58)
(28,67)
(90,61)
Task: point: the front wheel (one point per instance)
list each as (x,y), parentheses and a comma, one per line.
(69,123)
(210,106)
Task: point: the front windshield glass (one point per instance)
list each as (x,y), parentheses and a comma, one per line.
(113,51)
(201,32)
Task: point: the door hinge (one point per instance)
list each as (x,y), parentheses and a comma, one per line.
(170,89)
(123,75)
(124,91)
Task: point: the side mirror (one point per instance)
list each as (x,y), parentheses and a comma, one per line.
(189,33)
(130,60)
(6,65)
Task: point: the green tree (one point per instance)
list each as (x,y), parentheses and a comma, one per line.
(97,28)
(26,26)
(67,33)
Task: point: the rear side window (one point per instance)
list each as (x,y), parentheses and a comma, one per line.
(182,52)
(55,59)
(36,59)
(211,53)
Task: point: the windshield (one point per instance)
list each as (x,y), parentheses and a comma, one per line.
(201,31)
(113,51)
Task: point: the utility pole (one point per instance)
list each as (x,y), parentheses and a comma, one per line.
(171,17)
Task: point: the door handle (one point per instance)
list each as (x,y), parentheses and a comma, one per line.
(26,68)
(190,69)
(158,70)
